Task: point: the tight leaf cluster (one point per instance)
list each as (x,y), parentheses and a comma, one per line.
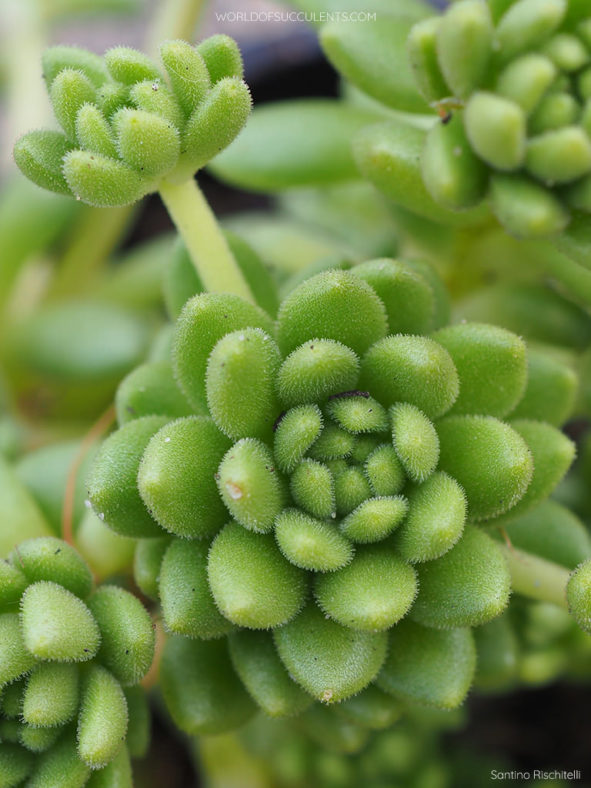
(127,124)
(513,84)
(71,657)
(320,529)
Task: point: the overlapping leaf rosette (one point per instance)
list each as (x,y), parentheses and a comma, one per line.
(126,126)
(71,657)
(312,496)
(512,81)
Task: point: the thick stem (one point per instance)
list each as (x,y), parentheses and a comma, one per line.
(537,578)
(204,239)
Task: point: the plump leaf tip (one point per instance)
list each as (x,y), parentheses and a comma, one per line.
(127,122)
(512,84)
(314,523)
(69,653)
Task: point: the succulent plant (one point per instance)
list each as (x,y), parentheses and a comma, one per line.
(512,81)
(316,530)
(125,127)
(319,498)
(71,657)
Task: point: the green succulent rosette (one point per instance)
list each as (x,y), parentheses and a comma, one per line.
(71,657)
(316,498)
(128,124)
(512,82)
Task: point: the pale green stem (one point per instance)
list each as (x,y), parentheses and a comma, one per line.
(173,19)
(537,578)
(204,239)
(96,235)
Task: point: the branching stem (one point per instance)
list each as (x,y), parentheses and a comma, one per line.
(204,239)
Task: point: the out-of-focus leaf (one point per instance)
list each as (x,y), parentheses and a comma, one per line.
(295,143)
(82,340)
(372,55)
(389,155)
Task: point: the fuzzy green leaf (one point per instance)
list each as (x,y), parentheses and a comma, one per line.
(491,364)
(51,695)
(69,91)
(374,519)
(180,493)
(256,661)
(57,625)
(127,637)
(222,57)
(57,58)
(146,564)
(252,583)
(384,471)
(187,72)
(93,131)
(389,156)
(374,592)
(553,532)
(216,122)
(415,441)
(112,487)
(102,723)
(578,594)
(129,66)
(454,176)
(489,459)
(427,666)
(332,305)
(406,294)
(465,45)
(187,604)
(329,661)
(468,586)
(15,659)
(250,486)
(39,156)
(411,369)
(204,320)
(238,408)
(150,390)
(316,370)
(295,434)
(436,517)
(102,181)
(47,558)
(146,142)
(311,544)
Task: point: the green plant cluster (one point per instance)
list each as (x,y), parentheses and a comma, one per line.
(513,82)
(318,530)
(71,657)
(125,127)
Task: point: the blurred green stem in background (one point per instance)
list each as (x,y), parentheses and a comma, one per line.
(173,19)
(92,240)
(537,578)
